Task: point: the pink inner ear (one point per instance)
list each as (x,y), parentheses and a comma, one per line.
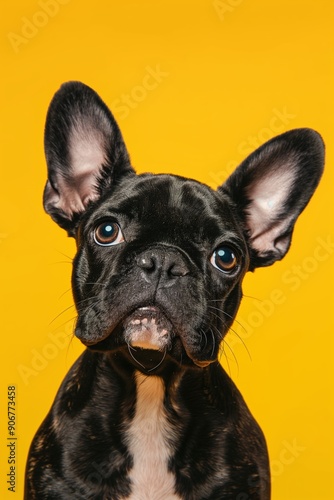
(86,151)
(268,196)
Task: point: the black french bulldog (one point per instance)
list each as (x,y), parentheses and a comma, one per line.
(147,411)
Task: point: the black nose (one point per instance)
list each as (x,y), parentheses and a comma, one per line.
(163,266)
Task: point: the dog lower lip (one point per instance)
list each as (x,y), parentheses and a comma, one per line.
(203,364)
(149,328)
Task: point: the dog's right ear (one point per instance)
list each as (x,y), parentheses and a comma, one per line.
(84,150)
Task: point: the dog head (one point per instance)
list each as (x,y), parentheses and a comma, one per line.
(161,258)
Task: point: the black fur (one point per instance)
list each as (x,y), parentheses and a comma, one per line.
(163,268)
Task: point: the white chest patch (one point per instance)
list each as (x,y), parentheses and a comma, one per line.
(148,437)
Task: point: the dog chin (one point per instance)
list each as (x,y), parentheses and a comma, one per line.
(148,328)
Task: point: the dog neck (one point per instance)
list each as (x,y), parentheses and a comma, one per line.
(151,439)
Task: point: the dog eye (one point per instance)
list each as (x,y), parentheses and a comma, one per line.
(224,259)
(108,233)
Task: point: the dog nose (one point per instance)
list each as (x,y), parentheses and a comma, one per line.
(162,265)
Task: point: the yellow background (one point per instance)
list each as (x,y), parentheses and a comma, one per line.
(225,71)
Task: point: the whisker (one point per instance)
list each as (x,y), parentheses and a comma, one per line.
(94,283)
(221,348)
(65,255)
(239,337)
(132,356)
(226,314)
(69,345)
(74,318)
(203,334)
(232,352)
(160,362)
(254,298)
(64,293)
(213,342)
(94,300)
(242,341)
(61,313)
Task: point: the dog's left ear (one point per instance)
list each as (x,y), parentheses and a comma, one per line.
(84,150)
(272,187)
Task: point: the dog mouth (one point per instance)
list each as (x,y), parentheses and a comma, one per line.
(148,328)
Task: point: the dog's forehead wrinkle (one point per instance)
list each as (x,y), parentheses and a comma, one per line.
(189,204)
(171,190)
(161,199)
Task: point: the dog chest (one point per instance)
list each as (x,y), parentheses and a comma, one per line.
(149,437)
